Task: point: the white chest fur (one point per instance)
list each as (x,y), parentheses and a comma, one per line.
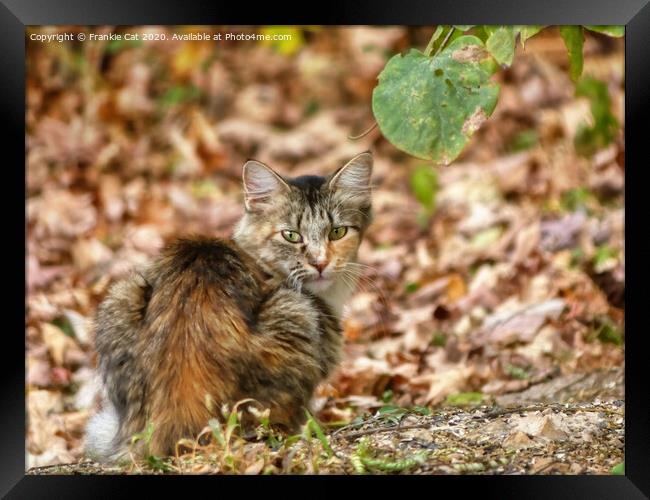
(337,295)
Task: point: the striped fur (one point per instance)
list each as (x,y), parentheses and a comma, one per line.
(212,321)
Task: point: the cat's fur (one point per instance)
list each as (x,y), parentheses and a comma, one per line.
(215,321)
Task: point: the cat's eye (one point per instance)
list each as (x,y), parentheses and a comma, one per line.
(291,236)
(338,232)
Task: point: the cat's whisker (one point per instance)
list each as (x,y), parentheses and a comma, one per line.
(358,264)
(365,280)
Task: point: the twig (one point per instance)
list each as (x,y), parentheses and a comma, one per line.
(572,409)
(372,419)
(357,434)
(71,464)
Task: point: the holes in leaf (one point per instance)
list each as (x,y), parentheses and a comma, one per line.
(438,72)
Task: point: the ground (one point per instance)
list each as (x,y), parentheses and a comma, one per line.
(584,435)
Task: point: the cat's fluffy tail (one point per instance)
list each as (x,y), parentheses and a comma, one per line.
(103,441)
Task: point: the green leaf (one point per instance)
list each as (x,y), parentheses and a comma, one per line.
(439,339)
(424,184)
(430,107)
(421,410)
(608,333)
(577,256)
(387,396)
(575,198)
(291,440)
(115,46)
(529,31)
(501,44)
(526,139)
(589,139)
(391,413)
(388,465)
(465,399)
(619,469)
(464,27)
(516,372)
(233,420)
(286,40)
(215,427)
(180,93)
(313,425)
(443,35)
(616,31)
(573,38)
(157,463)
(486,237)
(603,254)
(64,325)
(390,410)
(148,432)
(490,29)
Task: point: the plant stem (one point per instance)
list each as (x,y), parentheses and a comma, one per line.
(444,42)
(434,37)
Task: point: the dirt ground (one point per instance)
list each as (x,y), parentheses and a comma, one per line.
(583,433)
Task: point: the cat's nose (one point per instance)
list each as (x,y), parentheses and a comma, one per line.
(319,265)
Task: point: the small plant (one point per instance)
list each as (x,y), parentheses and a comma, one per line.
(155,462)
(424,185)
(465,399)
(179,94)
(439,339)
(619,469)
(576,199)
(387,396)
(362,460)
(517,372)
(316,429)
(577,257)
(603,256)
(391,413)
(115,46)
(609,333)
(589,139)
(526,139)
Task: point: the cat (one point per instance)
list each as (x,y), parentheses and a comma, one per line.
(213,321)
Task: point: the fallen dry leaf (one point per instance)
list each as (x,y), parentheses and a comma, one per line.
(60,346)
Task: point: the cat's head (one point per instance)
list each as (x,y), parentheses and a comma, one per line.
(307,229)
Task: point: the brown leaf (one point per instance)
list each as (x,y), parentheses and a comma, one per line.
(505,327)
(517,440)
(255,468)
(90,253)
(543,426)
(58,343)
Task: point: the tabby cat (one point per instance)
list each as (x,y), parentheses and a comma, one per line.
(211,322)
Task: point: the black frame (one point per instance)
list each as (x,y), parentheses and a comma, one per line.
(15,15)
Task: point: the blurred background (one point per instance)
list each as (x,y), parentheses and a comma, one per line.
(499,278)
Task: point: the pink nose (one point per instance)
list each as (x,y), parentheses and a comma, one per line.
(320,265)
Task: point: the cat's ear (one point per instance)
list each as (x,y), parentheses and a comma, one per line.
(261,184)
(353,178)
